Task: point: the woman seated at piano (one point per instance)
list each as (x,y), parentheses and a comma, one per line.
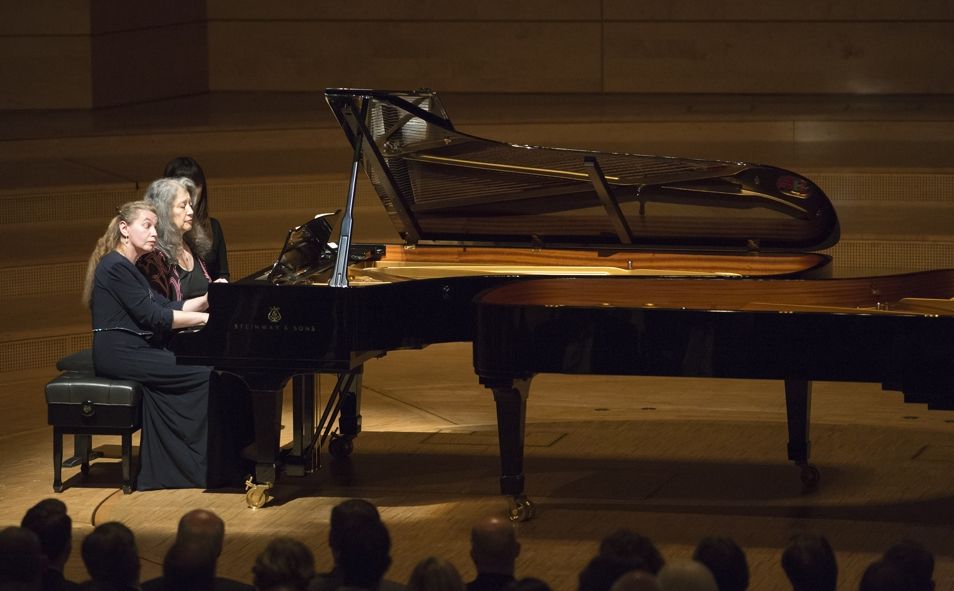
(131,323)
(176,267)
(217,259)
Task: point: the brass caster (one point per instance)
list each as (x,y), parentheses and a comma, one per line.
(521,509)
(256,495)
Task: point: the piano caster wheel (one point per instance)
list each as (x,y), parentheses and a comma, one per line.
(340,447)
(521,509)
(256,495)
(810,477)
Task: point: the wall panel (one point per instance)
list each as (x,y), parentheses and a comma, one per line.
(422,10)
(45,72)
(453,56)
(780,57)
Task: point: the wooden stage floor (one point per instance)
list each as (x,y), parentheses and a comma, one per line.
(675,459)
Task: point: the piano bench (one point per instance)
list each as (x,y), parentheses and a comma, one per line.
(83,405)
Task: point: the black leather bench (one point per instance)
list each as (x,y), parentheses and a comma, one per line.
(81,404)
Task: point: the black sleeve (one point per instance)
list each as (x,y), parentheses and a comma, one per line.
(221,252)
(148,310)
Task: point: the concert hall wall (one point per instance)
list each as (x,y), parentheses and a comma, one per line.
(94,53)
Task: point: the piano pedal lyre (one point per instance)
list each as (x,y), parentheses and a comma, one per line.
(256,495)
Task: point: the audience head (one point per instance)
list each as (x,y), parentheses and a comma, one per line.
(603,571)
(122,231)
(726,560)
(21,559)
(205,526)
(885,576)
(435,574)
(626,544)
(364,556)
(189,565)
(530,584)
(110,555)
(186,167)
(285,562)
(809,563)
(349,515)
(493,545)
(50,522)
(915,561)
(637,580)
(686,575)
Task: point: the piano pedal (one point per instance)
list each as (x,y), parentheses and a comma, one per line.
(256,495)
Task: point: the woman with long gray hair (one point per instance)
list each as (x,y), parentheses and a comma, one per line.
(176,267)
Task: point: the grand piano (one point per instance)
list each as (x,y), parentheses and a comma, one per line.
(895,330)
(474,214)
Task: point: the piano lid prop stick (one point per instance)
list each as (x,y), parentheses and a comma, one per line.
(340,276)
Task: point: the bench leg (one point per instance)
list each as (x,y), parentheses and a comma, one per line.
(57,460)
(127,463)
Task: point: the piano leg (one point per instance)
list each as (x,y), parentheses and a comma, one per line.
(798,404)
(511,399)
(303,458)
(267,409)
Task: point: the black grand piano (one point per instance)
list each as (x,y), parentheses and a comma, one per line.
(475,214)
(895,330)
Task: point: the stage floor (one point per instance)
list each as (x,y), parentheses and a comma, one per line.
(675,459)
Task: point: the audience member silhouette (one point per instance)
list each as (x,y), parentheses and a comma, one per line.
(686,575)
(885,576)
(603,571)
(494,549)
(51,523)
(726,560)
(530,584)
(627,545)
(364,556)
(435,574)
(111,558)
(809,563)
(21,560)
(915,561)
(203,527)
(189,565)
(285,563)
(637,580)
(348,518)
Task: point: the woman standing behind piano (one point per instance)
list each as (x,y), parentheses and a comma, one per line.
(176,268)
(130,326)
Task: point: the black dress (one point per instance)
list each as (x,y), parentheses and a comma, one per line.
(130,324)
(217,261)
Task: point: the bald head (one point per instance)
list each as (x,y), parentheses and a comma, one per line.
(686,575)
(636,580)
(494,546)
(202,526)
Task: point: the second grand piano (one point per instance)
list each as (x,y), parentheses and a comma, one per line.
(474,214)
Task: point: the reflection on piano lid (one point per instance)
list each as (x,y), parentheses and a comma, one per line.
(443,186)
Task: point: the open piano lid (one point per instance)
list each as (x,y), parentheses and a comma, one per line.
(439,185)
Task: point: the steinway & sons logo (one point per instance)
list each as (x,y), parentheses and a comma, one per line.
(274,317)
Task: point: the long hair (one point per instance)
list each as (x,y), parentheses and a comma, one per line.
(184,166)
(128,212)
(162,193)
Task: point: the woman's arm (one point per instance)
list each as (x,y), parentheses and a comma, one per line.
(199,304)
(185,318)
